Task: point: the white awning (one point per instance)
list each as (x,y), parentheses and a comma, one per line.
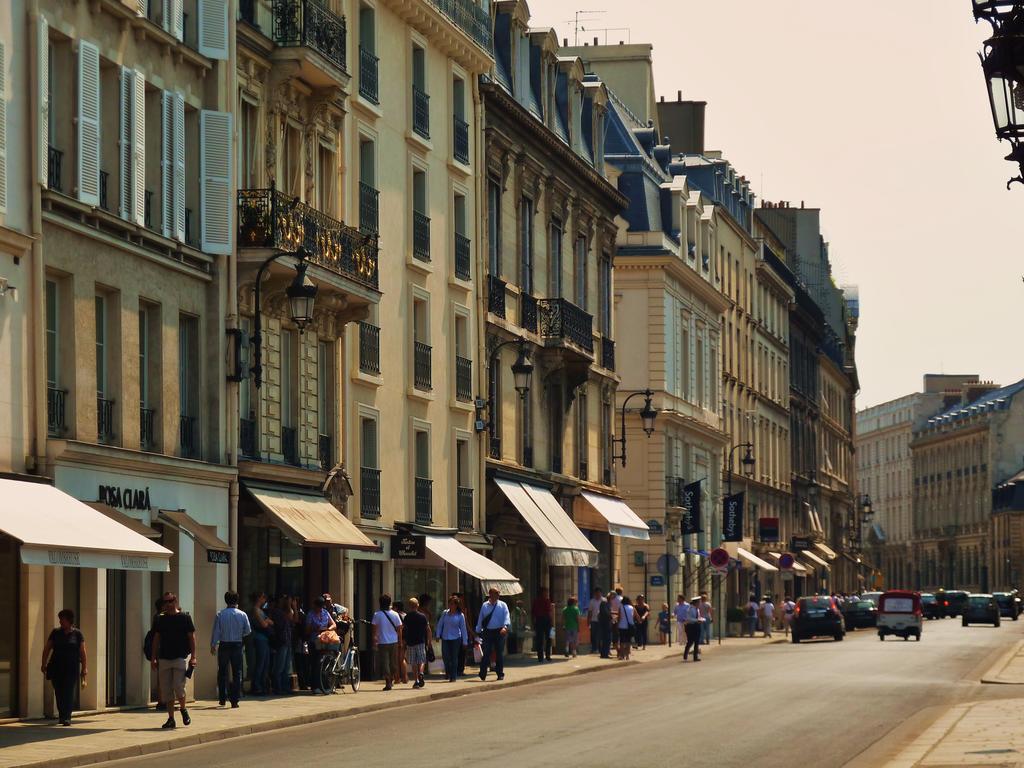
(622,521)
(825,551)
(57,529)
(754,560)
(490,574)
(815,559)
(797,565)
(311,521)
(566,544)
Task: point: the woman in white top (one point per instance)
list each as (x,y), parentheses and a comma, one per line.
(627,622)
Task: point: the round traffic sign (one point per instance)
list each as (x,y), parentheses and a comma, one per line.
(668,565)
(786,561)
(719,558)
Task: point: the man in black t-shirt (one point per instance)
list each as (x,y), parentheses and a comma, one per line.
(416,631)
(174,655)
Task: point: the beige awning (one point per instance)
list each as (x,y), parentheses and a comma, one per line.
(815,559)
(127,521)
(754,560)
(195,530)
(566,544)
(57,529)
(797,565)
(622,521)
(311,521)
(831,555)
(490,574)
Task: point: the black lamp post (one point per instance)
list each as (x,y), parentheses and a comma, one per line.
(1002,62)
(747,461)
(647,415)
(301,297)
(522,374)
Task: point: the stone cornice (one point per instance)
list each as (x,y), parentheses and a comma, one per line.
(105,457)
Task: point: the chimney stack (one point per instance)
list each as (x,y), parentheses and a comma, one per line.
(565,42)
(662,98)
(595,41)
(679,95)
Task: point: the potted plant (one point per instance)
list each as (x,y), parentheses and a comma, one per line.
(734,621)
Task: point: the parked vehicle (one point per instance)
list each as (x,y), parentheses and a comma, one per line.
(816,616)
(981,609)
(900,614)
(872,596)
(952,601)
(1009,604)
(930,606)
(858,614)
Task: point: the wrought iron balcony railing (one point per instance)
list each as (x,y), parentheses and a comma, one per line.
(104,177)
(607,353)
(147,428)
(421,112)
(271,219)
(369,492)
(460,138)
(290,445)
(420,236)
(674,491)
(561,319)
(469,17)
(463,379)
(104,420)
(54,169)
(421,365)
(368,83)
(464,503)
(369,209)
(494,446)
(528,312)
(56,401)
(369,348)
(188,436)
(496,296)
(424,500)
(583,468)
(463,257)
(147,210)
(247,438)
(309,23)
(325,445)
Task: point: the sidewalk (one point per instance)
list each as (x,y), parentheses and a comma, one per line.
(1009,670)
(100,737)
(975,734)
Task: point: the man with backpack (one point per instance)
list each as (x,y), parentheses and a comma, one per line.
(230,628)
(174,656)
(387,632)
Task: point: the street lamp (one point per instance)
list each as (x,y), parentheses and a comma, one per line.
(301,297)
(866,513)
(522,374)
(1002,62)
(647,415)
(747,462)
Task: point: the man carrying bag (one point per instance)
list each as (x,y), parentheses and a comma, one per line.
(493,625)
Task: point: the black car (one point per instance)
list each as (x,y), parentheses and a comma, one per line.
(930,607)
(952,601)
(981,609)
(859,613)
(1009,605)
(817,617)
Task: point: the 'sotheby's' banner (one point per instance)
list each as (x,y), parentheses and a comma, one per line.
(732,518)
(691,507)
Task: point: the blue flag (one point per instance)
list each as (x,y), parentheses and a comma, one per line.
(732,518)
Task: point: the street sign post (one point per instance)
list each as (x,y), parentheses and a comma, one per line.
(786,561)
(668,565)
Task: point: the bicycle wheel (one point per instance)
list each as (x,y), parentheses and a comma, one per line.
(353,672)
(328,679)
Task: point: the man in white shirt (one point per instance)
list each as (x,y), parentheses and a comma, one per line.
(692,625)
(492,625)
(767,615)
(788,609)
(593,612)
(681,611)
(615,603)
(387,631)
(709,615)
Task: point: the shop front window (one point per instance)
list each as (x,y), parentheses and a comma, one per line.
(415,582)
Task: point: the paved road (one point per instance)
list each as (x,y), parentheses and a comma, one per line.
(818,703)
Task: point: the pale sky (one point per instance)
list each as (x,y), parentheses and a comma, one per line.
(874,111)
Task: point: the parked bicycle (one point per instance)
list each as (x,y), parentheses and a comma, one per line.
(339,667)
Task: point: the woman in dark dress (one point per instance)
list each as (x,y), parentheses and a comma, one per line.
(643,613)
(63,653)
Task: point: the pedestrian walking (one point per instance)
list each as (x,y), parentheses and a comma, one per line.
(692,624)
(401,668)
(709,617)
(664,624)
(415,632)
(542,613)
(681,611)
(230,628)
(788,609)
(65,663)
(261,626)
(492,625)
(318,621)
(281,645)
(453,633)
(571,624)
(594,619)
(753,609)
(387,633)
(627,620)
(174,656)
(518,627)
(300,643)
(767,615)
(643,614)
(615,604)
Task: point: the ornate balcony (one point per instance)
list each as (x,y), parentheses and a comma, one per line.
(369,492)
(674,491)
(607,353)
(290,445)
(563,321)
(496,296)
(369,209)
(421,112)
(421,365)
(104,420)
(147,432)
(369,348)
(308,24)
(56,400)
(424,500)
(463,257)
(54,169)
(463,379)
(469,17)
(271,219)
(460,139)
(420,236)
(465,508)
(247,444)
(528,312)
(368,82)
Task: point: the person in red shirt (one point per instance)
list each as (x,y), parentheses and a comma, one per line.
(543,615)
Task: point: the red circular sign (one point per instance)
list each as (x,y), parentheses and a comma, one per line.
(719,558)
(786,561)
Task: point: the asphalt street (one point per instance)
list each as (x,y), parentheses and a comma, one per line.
(819,703)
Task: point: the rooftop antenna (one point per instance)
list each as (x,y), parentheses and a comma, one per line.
(576,27)
(606,30)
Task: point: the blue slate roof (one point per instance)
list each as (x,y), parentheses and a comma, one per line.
(996,400)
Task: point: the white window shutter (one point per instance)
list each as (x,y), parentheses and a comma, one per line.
(88,123)
(3,128)
(43,55)
(167,162)
(139,147)
(142,7)
(178,157)
(174,18)
(125,136)
(213,28)
(215,181)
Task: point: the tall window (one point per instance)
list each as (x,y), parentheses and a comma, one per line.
(526,245)
(494,226)
(580,272)
(700,371)
(248,126)
(526,430)
(292,161)
(52,334)
(606,443)
(324,388)
(582,437)
(684,356)
(605,297)
(143,356)
(188,384)
(555,260)
(289,378)
(369,475)
(557,426)
(327,179)
(101,346)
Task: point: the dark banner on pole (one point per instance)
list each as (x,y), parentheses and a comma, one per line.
(732,518)
(691,508)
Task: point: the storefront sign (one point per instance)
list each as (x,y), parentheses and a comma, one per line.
(800,543)
(407,546)
(732,518)
(75,558)
(768,528)
(221,558)
(691,508)
(124,498)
